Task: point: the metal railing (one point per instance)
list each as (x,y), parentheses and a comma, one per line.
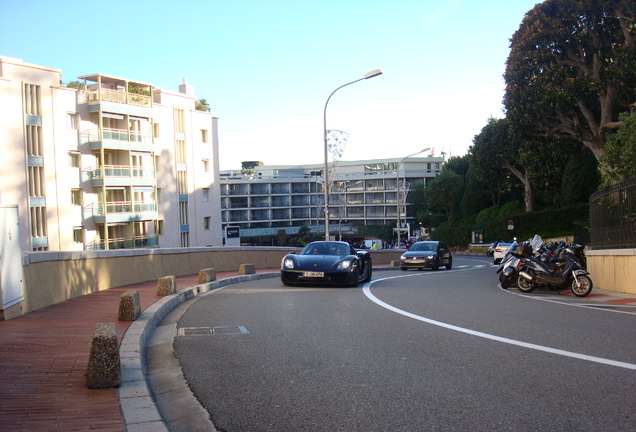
(119,207)
(118,171)
(613,216)
(92,135)
(119,96)
(124,243)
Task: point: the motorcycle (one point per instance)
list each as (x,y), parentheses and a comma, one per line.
(558,273)
(512,262)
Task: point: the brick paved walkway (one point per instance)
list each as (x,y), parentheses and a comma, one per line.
(44,356)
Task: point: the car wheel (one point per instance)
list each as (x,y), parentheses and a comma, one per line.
(449,266)
(403,268)
(436,265)
(368,271)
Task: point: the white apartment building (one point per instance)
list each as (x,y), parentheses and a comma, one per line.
(114,164)
(269,201)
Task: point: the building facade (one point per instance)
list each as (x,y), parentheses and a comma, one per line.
(268,202)
(112,164)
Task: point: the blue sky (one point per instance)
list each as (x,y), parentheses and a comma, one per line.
(267,67)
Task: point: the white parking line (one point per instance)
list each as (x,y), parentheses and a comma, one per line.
(367,291)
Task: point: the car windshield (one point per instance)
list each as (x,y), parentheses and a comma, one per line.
(424,247)
(325,249)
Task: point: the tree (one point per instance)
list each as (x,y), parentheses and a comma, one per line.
(444,193)
(79,85)
(496,148)
(572,69)
(620,157)
(202,105)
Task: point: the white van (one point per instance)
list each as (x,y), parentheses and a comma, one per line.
(368,244)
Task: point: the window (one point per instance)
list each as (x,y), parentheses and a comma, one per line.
(78,234)
(76,197)
(206,194)
(206,223)
(206,165)
(74,159)
(155,130)
(204,135)
(72,121)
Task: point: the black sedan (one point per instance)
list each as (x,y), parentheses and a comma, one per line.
(327,262)
(427,254)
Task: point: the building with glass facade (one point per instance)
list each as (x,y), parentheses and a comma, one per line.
(268,202)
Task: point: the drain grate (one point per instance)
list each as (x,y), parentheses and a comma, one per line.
(208,331)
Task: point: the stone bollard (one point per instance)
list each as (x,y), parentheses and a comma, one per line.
(247,269)
(207,275)
(129,306)
(166,285)
(104,367)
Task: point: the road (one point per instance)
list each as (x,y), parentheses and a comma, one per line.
(411,351)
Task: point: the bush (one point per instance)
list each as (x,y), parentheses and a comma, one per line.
(547,223)
(455,235)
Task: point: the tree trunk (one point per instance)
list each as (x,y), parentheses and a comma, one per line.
(527,185)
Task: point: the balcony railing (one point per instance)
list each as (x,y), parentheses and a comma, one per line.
(118,171)
(124,243)
(119,207)
(92,135)
(119,96)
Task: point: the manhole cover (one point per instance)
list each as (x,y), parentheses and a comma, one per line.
(208,331)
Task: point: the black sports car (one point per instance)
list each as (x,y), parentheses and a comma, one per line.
(427,254)
(327,262)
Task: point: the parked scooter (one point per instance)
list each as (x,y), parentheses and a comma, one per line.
(561,272)
(512,262)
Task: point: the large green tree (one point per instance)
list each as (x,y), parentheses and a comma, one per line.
(444,193)
(572,69)
(496,148)
(620,158)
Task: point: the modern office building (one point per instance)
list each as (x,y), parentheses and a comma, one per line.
(268,202)
(113,163)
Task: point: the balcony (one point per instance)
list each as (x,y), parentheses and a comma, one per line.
(121,211)
(118,96)
(120,175)
(124,243)
(120,139)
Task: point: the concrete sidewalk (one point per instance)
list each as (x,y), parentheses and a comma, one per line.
(44,356)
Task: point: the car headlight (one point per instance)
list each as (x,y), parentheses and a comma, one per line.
(402,257)
(344,265)
(430,257)
(288,263)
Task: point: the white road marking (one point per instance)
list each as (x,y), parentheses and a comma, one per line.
(367,291)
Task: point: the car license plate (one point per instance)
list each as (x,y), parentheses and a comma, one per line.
(313,274)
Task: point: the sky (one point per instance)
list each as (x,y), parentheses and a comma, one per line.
(267,67)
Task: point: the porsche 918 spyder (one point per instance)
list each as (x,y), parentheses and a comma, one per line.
(327,262)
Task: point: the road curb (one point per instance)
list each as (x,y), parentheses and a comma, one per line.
(139,411)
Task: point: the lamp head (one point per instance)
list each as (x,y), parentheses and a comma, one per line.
(373,73)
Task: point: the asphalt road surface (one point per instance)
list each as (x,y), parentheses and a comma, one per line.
(411,351)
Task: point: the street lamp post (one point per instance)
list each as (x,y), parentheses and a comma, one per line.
(371,74)
(397,187)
